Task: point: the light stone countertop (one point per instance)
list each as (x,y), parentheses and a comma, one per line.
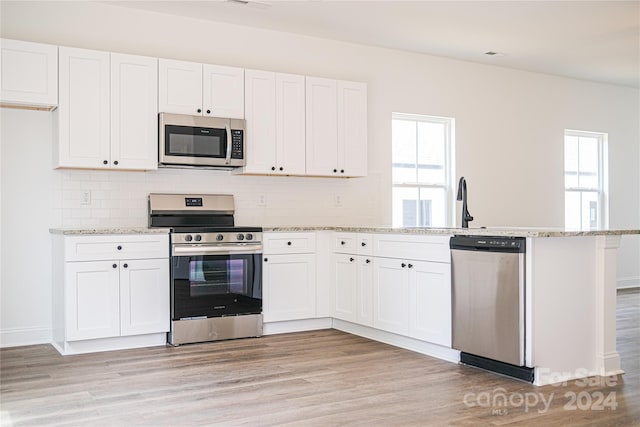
(489,231)
(115,230)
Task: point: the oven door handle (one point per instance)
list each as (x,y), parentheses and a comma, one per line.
(227,127)
(196,250)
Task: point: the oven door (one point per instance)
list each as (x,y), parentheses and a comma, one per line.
(215,285)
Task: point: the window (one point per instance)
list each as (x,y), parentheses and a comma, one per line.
(585,180)
(421,170)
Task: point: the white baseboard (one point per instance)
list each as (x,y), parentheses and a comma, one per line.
(272,328)
(423,347)
(16,337)
(111,344)
(628,282)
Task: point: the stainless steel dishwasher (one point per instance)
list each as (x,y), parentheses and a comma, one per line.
(488,303)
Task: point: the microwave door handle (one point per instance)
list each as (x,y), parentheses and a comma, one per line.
(228,157)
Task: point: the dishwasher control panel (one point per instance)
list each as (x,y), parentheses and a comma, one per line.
(486,243)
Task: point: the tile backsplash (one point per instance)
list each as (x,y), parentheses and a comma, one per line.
(87,198)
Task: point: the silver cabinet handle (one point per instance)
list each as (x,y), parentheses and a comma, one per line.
(229,142)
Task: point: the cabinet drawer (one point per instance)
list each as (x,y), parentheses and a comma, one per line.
(289,243)
(353,243)
(345,243)
(422,248)
(115,247)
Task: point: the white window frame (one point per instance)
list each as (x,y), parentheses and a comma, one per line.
(449,155)
(602,189)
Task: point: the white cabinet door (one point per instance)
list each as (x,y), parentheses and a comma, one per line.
(134,112)
(83,113)
(260,114)
(364,311)
(345,287)
(352,128)
(92,300)
(321,127)
(28,73)
(290,124)
(289,287)
(144,296)
(179,87)
(223,91)
(391,296)
(430,302)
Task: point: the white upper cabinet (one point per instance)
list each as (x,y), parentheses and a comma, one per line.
(274,110)
(134,111)
(223,91)
(352,128)
(260,113)
(107,116)
(336,128)
(28,73)
(321,127)
(290,124)
(83,113)
(196,89)
(180,87)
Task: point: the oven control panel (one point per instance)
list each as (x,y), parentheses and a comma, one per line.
(213,238)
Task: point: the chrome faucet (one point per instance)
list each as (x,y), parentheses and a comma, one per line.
(462,196)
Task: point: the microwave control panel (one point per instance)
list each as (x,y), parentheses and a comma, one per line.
(237,144)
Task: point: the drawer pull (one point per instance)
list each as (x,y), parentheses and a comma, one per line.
(343,243)
(126,265)
(119,248)
(115,266)
(266,259)
(363,244)
(403,265)
(351,260)
(410,265)
(368,261)
(288,243)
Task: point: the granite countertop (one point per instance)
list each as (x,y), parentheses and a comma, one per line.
(489,231)
(115,230)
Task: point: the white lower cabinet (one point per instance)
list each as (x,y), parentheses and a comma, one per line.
(92,303)
(391,295)
(101,301)
(289,287)
(430,302)
(380,286)
(289,276)
(353,289)
(345,287)
(413,298)
(144,306)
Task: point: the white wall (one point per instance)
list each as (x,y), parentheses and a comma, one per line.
(509,129)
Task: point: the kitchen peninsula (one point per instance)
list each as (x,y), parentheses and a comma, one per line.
(570,288)
(394,285)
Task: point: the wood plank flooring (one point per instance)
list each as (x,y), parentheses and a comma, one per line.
(321,378)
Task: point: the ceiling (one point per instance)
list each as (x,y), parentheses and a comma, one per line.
(590,40)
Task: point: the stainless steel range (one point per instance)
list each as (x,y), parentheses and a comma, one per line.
(216,268)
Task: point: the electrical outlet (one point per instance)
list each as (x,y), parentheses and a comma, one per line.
(85,197)
(338,200)
(262,200)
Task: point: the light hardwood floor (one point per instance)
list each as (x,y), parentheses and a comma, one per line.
(321,378)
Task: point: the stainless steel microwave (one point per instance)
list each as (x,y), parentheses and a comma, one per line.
(196,141)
